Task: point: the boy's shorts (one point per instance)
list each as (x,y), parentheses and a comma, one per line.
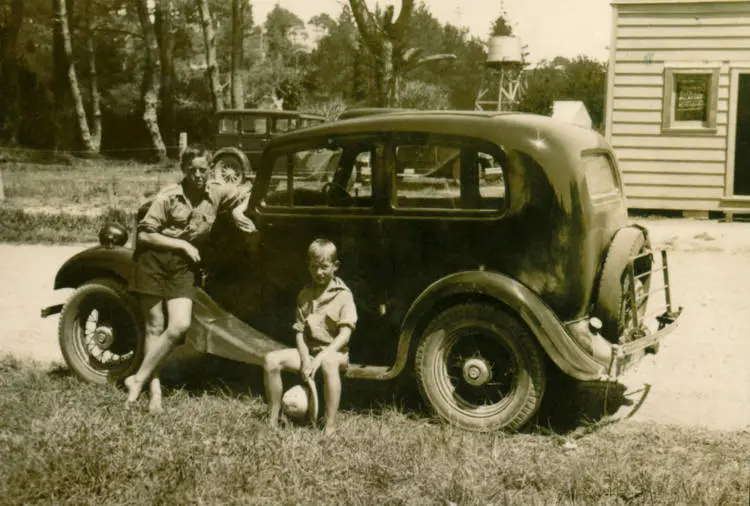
(165,274)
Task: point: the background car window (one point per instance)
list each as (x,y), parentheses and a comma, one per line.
(281,125)
(448,174)
(252,125)
(228,126)
(324,177)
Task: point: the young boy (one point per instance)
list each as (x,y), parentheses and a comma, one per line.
(326,317)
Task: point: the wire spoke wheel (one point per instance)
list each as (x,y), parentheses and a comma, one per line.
(479,367)
(101,334)
(229,170)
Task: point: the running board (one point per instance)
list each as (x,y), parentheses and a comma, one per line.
(374,372)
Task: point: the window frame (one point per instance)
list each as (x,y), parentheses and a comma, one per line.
(673,126)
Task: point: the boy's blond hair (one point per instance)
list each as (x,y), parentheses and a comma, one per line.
(323,248)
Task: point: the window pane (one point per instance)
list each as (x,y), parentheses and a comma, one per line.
(228,126)
(600,174)
(428,176)
(691,97)
(278,189)
(491,181)
(281,125)
(251,125)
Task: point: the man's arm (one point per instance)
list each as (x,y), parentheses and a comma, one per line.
(156,240)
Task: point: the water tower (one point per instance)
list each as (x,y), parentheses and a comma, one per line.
(504,64)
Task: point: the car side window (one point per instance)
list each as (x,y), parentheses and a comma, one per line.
(228,126)
(252,125)
(447,174)
(334,175)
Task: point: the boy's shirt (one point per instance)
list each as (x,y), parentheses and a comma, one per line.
(320,319)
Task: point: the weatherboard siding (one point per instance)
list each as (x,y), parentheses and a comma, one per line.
(668,170)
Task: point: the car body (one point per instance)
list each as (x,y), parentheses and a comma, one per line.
(241,134)
(482,250)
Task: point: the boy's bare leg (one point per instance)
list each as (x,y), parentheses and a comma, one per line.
(276,361)
(180,313)
(331,366)
(154,388)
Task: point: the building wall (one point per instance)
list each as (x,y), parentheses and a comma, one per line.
(672,170)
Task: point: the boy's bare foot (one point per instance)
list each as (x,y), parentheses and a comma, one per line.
(134,389)
(329,430)
(154,406)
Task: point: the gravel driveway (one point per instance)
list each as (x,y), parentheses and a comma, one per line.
(699,378)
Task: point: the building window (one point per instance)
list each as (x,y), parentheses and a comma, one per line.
(690,100)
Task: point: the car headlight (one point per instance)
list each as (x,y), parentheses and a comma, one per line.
(113,234)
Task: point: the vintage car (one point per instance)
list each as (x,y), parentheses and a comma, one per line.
(241,134)
(483,249)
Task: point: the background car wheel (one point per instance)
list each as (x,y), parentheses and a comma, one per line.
(101,332)
(480,368)
(613,303)
(229,169)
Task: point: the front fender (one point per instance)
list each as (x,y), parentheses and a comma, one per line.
(96,262)
(570,356)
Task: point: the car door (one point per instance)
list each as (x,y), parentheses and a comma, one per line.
(315,191)
(447,195)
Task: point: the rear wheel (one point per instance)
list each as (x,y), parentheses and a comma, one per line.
(480,368)
(229,169)
(101,332)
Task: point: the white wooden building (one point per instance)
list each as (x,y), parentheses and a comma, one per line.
(678,103)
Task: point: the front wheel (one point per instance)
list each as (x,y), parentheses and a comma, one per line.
(480,368)
(229,170)
(101,332)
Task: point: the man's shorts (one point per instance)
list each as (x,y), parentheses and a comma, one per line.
(165,274)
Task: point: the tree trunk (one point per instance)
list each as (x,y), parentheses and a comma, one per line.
(75,91)
(11,93)
(165,39)
(238,53)
(212,68)
(385,39)
(150,88)
(96,111)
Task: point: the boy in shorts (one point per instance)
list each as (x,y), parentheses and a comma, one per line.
(326,318)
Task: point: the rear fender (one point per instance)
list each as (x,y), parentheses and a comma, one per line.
(96,262)
(232,151)
(563,348)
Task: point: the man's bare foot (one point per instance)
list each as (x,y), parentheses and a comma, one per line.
(154,405)
(134,388)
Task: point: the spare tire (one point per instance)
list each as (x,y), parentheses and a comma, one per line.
(612,306)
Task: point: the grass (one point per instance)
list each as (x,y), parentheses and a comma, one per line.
(21,226)
(65,442)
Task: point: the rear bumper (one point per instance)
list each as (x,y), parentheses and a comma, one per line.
(626,355)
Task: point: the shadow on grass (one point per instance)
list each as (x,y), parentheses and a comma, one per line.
(569,407)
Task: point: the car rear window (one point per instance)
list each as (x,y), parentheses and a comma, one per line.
(600,174)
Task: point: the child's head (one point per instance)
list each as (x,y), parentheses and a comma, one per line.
(322,261)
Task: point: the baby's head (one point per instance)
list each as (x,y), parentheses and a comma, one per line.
(322,261)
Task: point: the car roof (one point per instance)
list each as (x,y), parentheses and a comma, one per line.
(369,111)
(513,130)
(268,112)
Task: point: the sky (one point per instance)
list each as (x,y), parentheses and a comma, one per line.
(548,27)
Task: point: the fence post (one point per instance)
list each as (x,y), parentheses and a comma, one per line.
(182,143)
(2,188)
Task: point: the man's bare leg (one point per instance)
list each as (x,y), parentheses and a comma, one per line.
(331,367)
(276,361)
(180,313)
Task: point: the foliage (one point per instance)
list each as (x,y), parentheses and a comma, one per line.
(282,65)
(65,442)
(562,79)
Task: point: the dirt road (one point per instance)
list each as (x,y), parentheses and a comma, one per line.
(699,378)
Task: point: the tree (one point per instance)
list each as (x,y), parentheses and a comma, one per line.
(385,39)
(212,68)
(10,95)
(165,41)
(61,17)
(500,27)
(96,111)
(238,53)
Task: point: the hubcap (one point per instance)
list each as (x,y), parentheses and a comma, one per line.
(104,337)
(476,371)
